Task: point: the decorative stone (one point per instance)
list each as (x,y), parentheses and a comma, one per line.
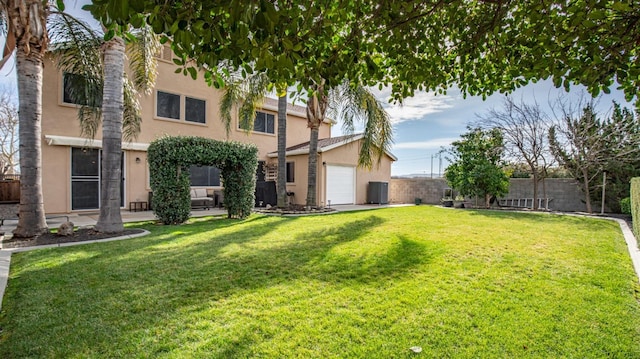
(65,229)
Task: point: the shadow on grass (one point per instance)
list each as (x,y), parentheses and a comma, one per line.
(108,299)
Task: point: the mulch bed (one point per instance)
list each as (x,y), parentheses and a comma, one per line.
(80,235)
(294,209)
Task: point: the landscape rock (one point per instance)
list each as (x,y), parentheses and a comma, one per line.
(65,229)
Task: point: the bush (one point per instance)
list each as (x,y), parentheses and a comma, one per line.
(625,205)
(635,204)
(169,162)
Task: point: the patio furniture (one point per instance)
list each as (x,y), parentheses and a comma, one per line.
(199,199)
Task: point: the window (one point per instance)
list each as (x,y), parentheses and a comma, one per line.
(168,105)
(291,172)
(195,110)
(77,90)
(264,122)
(205,176)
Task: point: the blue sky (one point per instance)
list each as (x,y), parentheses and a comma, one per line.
(427,122)
(424,123)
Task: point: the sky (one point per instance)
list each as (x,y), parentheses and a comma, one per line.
(425,123)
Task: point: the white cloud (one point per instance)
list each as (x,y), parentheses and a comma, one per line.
(435,143)
(416,107)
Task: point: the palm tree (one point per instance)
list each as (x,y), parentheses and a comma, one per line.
(100,84)
(247,95)
(316,111)
(281,183)
(25,23)
(351,103)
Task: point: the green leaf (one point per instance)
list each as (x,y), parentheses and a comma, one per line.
(109,35)
(287,43)
(193,72)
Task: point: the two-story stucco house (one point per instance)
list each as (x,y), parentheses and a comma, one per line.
(180,105)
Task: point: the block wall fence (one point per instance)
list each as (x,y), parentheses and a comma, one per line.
(564,193)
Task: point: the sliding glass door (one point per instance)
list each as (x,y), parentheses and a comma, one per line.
(85,179)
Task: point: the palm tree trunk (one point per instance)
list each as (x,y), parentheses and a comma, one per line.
(312,200)
(316,109)
(110,220)
(282,149)
(31,220)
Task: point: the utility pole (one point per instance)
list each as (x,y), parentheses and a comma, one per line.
(432,166)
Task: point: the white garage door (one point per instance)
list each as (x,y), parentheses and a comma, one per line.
(341,185)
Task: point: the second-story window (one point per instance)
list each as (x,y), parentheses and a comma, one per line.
(264,122)
(195,110)
(179,107)
(76,90)
(168,105)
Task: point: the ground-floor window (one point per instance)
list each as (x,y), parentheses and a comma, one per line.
(206,176)
(85,179)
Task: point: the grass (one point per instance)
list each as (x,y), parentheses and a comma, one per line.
(370,284)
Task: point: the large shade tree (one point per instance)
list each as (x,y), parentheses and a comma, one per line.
(482,46)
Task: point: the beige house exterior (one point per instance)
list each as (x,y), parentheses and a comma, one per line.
(178,105)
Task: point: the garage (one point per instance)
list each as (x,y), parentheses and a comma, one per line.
(341,184)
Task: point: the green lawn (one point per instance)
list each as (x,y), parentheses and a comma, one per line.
(370,284)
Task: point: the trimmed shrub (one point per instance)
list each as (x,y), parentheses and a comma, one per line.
(635,204)
(169,162)
(625,205)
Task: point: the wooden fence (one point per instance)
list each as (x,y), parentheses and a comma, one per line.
(9,191)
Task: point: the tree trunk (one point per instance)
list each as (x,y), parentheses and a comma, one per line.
(544,192)
(31,221)
(110,220)
(282,149)
(316,109)
(535,190)
(312,200)
(585,183)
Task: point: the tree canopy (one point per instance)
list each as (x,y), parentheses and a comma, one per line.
(481,46)
(587,145)
(476,165)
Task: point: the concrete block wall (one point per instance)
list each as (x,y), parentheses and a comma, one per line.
(564,193)
(406,190)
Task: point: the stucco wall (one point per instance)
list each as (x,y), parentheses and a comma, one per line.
(565,194)
(60,119)
(346,155)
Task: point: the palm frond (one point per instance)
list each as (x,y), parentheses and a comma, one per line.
(231,97)
(90,119)
(245,95)
(142,59)
(76,51)
(132,116)
(351,103)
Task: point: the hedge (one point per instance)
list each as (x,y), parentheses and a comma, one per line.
(169,161)
(635,205)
